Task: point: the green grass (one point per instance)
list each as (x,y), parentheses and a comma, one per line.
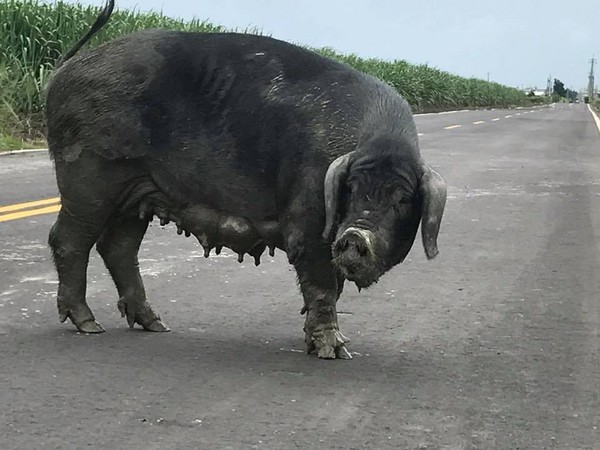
(34,35)
(8,143)
(430,89)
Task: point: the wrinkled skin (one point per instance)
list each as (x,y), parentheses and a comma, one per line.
(245,142)
(381,215)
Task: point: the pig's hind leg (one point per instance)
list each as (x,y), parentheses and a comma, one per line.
(71,238)
(119,246)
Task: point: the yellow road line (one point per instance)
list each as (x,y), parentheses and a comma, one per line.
(479,122)
(595,116)
(29,213)
(20,206)
(452,127)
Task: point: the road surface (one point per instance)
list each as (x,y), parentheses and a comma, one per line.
(493,345)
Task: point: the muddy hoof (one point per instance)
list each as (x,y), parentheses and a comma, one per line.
(342,353)
(80,315)
(328,343)
(90,326)
(141,312)
(157,326)
(343,338)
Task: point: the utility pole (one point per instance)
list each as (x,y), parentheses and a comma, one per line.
(591,81)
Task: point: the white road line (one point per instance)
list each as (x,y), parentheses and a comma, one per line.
(451,127)
(496,119)
(518,114)
(420,134)
(442,112)
(453,112)
(16,152)
(595,116)
(479,122)
(508,117)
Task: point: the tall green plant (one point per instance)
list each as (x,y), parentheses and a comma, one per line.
(33,35)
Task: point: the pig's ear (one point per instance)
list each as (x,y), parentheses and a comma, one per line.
(432,190)
(334,178)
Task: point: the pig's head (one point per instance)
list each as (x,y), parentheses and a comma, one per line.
(375,197)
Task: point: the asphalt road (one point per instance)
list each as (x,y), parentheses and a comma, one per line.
(493,345)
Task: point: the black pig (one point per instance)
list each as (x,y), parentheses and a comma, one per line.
(244,141)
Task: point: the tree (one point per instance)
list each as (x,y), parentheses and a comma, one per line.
(559,88)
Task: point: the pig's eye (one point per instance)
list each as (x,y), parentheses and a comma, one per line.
(391,193)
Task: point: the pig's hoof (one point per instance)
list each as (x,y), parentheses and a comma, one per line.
(328,343)
(343,338)
(141,313)
(90,326)
(157,326)
(81,316)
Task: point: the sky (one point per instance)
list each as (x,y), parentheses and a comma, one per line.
(518,43)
